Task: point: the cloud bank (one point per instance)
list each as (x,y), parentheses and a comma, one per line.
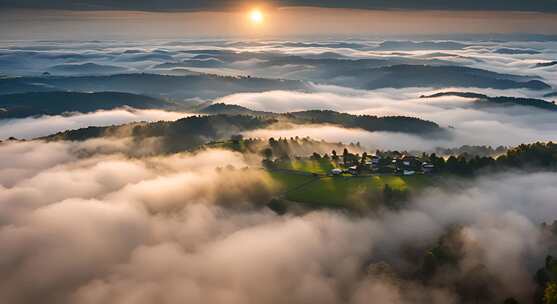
(468,124)
(28,128)
(108,228)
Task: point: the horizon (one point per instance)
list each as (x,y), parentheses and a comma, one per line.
(281,23)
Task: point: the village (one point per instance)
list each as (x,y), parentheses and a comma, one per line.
(377,164)
(349,164)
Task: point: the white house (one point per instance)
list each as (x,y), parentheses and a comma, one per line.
(336,171)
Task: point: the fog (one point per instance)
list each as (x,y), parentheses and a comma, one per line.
(102,227)
(111,221)
(28,128)
(317,60)
(467,124)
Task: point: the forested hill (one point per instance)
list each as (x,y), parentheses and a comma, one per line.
(54,103)
(180,135)
(191,132)
(403,76)
(370,123)
(231,109)
(500,100)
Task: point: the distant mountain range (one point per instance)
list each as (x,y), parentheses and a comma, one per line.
(508,51)
(500,100)
(175,87)
(424,45)
(403,76)
(55,103)
(86,69)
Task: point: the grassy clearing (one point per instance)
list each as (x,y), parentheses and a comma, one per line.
(288,182)
(308,165)
(351,192)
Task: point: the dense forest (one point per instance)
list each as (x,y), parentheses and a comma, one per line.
(482,99)
(370,123)
(403,124)
(192,132)
(181,135)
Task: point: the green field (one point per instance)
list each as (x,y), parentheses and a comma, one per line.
(344,191)
(307,165)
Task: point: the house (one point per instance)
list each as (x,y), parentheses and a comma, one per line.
(427,168)
(409,161)
(375,160)
(353,170)
(336,171)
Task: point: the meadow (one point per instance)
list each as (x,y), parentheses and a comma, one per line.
(352,192)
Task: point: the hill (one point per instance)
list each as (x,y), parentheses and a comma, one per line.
(370,123)
(422,45)
(86,69)
(401,76)
(546,64)
(163,86)
(54,103)
(508,51)
(175,136)
(192,132)
(500,100)
(230,109)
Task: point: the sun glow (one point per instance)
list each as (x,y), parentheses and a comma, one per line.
(256,16)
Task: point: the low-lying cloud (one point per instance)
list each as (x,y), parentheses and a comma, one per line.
(33,127)
(467,124)
(108,228)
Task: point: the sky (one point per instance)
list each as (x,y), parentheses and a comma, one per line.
(504,5)
(102,19)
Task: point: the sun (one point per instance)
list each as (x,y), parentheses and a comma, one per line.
(256,16)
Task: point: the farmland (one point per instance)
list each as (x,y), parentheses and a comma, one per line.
(344,191)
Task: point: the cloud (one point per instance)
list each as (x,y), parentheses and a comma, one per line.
(27,128)
(538,5)
(109,228)
(470,125)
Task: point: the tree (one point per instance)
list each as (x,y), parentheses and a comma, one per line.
(550,293)
(335,156)
(267,153)
(510,301)
(364,157)
(236,138)
(315,156)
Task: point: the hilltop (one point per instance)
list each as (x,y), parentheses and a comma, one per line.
(500,100)
(192,132)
